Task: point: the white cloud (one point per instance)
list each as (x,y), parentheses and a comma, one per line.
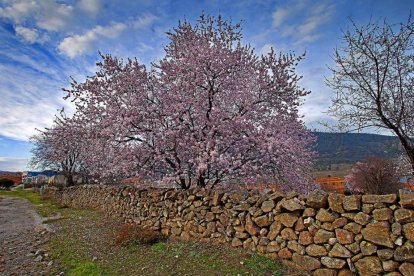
(143,48)
(314,109)
(47,14)
(282,14)
(302,20)
(18,10)
(321,13)
(316,104)
(76,45)
(30,35)
(30,91)
(144,21)
(21,121)
(89,6)
(53,16)
(13,164)
(279,15)
(28,61)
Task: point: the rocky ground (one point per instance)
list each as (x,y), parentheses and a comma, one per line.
(22,239)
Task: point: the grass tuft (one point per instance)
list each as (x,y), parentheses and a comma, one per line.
(159,247)
(262,265)
(85,268)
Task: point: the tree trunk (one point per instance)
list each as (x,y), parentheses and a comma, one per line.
(70,181)
(183,184)
(410,154)
(215,183)
(404,139)
(201,182)
(408,149)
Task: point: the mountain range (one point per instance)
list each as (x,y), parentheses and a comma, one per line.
(348,148)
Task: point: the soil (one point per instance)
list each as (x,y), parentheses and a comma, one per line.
(22,238)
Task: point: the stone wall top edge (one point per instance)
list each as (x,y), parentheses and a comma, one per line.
(313,199)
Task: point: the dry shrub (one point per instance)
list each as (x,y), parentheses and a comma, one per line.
(133,234)
(374,176)
(47,197)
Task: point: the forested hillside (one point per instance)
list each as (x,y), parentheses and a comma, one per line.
(348,148)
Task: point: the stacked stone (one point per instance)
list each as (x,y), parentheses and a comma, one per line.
(326,234)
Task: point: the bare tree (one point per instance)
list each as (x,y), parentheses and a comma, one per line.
(374,80)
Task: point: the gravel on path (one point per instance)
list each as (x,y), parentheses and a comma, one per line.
(22,236)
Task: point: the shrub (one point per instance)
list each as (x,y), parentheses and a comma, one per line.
(6,183)
(133,234)
(374,176)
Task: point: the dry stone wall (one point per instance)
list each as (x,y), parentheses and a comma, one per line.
(326,234)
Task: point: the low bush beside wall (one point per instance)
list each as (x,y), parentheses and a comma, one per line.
(327,234)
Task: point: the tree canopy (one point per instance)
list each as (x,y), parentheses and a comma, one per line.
(208,112)
(374,80)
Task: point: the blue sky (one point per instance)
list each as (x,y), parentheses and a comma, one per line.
(44,42)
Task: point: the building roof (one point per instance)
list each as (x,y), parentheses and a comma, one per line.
(48,173)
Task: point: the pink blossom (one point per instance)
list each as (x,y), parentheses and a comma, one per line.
(208,112)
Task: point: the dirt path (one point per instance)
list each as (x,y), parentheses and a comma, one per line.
(22,235)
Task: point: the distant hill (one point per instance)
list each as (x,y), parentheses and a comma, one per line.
(348,148)
(5,172)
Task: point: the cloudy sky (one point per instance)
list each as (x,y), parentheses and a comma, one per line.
(45,42)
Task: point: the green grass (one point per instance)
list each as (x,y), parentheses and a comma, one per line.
(85,268)
(70,261)
(44,207)
(29,195)
(258,263)
(64,248)
(84,244)
(86,234)
(159,246)
(71,265)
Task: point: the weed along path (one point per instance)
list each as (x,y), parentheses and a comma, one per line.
(22,238)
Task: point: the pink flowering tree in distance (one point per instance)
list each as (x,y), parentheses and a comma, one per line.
(71,149)
(210,111)
(374,176)
(55,148)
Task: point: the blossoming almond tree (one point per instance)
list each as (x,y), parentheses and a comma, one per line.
(210,111)
(72,149)
(54,148)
